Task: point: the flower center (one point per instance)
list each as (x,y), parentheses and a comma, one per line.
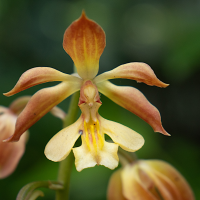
(89,104)
(94,140)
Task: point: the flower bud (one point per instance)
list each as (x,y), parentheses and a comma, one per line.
(149,180)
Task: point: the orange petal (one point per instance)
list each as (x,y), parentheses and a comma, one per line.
(140,72)
(10,153)
(84,41)
(133,100)
(37,76)
(169,172)
(41,103)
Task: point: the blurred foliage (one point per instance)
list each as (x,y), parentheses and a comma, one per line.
(164,34)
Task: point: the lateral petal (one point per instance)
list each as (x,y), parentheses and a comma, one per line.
(39,75)
(133,100)
(40,104)
(140,72)
(107,156)
(84,41)
(60,145)
(125,137)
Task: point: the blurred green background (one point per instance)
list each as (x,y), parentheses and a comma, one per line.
(163,34)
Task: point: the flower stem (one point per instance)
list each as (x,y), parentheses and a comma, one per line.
(65,166)
(126,157)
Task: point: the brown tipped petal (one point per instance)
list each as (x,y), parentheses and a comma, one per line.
(41,103)
(140,72)
(84,41)
(133,100)
(37,76)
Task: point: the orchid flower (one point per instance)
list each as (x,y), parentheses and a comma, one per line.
(149,180)
(84,41)
(11,153)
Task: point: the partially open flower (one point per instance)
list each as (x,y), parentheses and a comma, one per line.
(11,153)
(84,41)
(148,180)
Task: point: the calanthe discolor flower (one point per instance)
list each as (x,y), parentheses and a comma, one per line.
(11,153)
(148,180)
(84,41)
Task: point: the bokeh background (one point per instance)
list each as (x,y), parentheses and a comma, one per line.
(164,34)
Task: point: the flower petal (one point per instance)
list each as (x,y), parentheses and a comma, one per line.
(132,186)
(133,100)
(107,156)
(115,187)
(166,187)
(40,75)
(83,158)
(140,72)
(167,171)
(40,104)
(84,41)
(60,145)
(58,112)
(19,104)
(10,153)
(125,137)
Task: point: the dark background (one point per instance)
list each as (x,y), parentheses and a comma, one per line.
(163,34)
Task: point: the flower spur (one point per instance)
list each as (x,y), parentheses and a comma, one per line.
(84,41)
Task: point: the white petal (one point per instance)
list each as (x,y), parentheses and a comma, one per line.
(125,137)
(107,156)
(59,147)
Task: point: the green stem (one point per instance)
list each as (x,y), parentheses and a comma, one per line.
(126,157)
(65,166)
